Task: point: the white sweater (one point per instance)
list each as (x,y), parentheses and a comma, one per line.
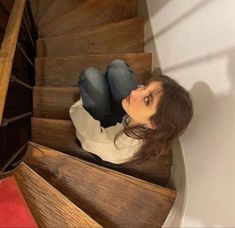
(100,141)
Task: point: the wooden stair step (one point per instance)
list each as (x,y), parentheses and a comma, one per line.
(63,72)
(57,9)
(118,37)
(57,134)
(42,8)
(89,14)
(111,198)
(49,207)
(61,135)
(54,102)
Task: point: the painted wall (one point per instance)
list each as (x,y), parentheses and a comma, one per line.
(195,42)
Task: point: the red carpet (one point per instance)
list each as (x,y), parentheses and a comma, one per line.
(14,211)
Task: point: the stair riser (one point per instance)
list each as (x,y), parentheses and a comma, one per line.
(54,103)
(57,9)
(122,37)
(56,134)
(90,14)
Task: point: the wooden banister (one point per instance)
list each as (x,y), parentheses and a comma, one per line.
(8,48)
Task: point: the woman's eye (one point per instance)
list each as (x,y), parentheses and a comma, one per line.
(146,100)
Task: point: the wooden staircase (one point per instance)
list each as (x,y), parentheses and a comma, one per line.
(64,185)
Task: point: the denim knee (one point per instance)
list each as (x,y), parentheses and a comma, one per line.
(90,73)
(121,79)
(118,65)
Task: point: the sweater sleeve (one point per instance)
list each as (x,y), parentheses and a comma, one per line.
(88,127)
(98,140)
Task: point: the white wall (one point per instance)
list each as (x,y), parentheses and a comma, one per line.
(196,45)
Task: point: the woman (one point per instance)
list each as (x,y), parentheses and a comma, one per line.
(121,122)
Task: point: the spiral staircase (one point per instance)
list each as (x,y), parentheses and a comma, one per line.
(63,185)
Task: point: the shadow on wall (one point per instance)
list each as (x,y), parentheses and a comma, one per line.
(193,10)
(209,172)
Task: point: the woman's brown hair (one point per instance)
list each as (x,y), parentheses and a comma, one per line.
(174,112)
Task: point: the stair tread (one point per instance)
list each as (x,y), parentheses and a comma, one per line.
(58,8)
(65,71)
(90,13)
(49,207)
(103,193)
(117,37)
(42,7)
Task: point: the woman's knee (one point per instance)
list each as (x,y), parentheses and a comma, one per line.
(90,73)
(118,66)
(121,79)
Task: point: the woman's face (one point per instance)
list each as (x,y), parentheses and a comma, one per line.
(142,103)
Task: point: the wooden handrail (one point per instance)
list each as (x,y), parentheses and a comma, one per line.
(8,48)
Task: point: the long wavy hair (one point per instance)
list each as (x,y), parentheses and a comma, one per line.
(174,112)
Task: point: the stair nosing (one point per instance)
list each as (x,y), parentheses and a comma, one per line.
(90,55)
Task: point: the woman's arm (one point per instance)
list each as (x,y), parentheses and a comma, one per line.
(96,139)
(88,127)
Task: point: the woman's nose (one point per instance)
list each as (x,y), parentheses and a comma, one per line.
(137,91)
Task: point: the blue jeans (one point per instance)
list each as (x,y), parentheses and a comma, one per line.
(102,94)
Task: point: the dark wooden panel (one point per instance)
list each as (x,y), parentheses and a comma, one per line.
(49,207)
(106,195)
(13,137)
(22,68)
(7,4)
(4,15)
(18,101)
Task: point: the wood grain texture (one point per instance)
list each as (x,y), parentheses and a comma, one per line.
(43,6)
(8,4)
(8,49)
(91,13)
(119,37)
(49,207)
(56,134)
(34,5)
(63,72)
(60,135)
(53,102)
(57,9)
(109,197)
